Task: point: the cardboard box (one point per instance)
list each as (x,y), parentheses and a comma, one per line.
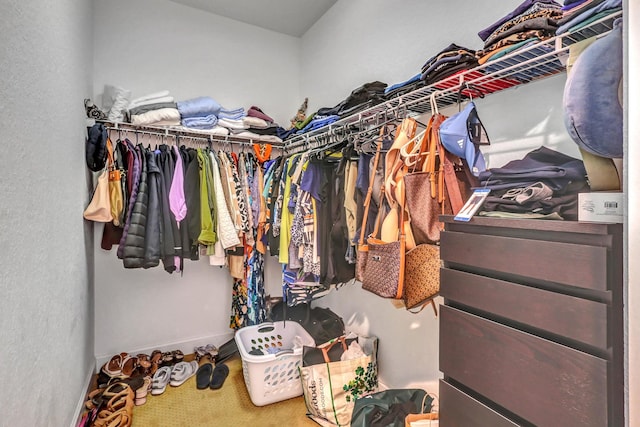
(600,206)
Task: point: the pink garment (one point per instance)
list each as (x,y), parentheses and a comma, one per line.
(257,112)
(177,201)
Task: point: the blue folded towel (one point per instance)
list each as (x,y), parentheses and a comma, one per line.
(198,107)
(235,114)
(200,122)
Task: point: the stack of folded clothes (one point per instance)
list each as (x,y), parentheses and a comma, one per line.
(447,62)
(407,86)
(530,22)
(206,113)
(158,109)
(543,184)
(579,13)
(365,96)
(319,121)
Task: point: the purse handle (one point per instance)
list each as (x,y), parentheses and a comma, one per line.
(367,200)
(329,345)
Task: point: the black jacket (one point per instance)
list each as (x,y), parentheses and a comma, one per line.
(153,236)
(133,249)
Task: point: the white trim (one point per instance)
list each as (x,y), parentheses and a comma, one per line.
(187,347)
(85,390)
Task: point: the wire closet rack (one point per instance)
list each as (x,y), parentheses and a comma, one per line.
(531,63)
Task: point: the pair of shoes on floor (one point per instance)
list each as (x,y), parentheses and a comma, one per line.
(209,350)
(174,376)
(208,376)
(112,406)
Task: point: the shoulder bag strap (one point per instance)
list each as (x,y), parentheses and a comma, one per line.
(367,200)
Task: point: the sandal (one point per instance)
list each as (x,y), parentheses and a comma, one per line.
(160,380)
(113,367)
(141,393)
(114,419)
(182,372)
(220,373)
(129,366)
(178,356)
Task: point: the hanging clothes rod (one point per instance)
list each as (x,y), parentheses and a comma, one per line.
(167,132)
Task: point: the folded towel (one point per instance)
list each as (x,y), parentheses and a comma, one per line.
(232,124)
(200,122)
(216,130)
(151,101)
(164,116)
(198,107)
(234,114)
(255,122)
(146,108)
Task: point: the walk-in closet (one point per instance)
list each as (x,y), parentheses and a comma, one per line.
(282,144)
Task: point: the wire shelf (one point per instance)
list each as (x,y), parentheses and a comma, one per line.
(533,62)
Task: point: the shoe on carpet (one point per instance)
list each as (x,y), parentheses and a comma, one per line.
(160,380)
(182,371)
(203,376)
(220,374)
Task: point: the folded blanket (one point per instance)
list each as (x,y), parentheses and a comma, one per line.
(200,122)
(151,101)
(164,116)
(150,107)
(234,114)
(255,122)
(261,138)
(198,107)
(232,124)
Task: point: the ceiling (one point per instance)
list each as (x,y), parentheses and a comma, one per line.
(292,17)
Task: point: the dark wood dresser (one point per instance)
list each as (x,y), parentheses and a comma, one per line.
(531,332)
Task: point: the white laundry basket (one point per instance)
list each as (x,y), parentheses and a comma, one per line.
(272,377)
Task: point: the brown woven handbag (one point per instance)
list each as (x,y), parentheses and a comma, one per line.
(422,275)
(384,272)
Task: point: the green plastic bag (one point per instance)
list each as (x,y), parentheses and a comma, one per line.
(389,407)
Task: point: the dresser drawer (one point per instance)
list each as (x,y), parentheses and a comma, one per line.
(540,381)
(567,316)
(582,266)
(458,409)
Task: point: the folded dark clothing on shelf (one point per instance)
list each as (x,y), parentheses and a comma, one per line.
(150,107)
(516,38)
(449,71)
(565,205)
(358,96)
(577,9)
(535,11)
(451,50)
(271,130)
(522,8)
(283,133)
(545,23)
(399,91)
(402,84)
(359,107)
(318,122)
(568,5)
(555,169)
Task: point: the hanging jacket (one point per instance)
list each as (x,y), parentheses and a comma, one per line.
(134,235)
(192,198)
(170,232)
(153,236)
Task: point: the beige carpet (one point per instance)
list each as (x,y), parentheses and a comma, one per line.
(229,406)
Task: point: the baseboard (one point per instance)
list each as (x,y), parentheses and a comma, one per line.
(85,390)
(185,346)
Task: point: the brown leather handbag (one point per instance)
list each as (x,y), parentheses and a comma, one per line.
(421,275)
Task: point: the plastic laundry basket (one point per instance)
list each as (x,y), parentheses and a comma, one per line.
(273,376)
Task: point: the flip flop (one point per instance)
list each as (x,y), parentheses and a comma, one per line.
(203,376)
(220,374)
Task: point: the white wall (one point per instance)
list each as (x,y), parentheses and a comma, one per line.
(632,226)
(358,41)
(151,45)
(46,317)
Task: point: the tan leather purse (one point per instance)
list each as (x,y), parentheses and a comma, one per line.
(99,209)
